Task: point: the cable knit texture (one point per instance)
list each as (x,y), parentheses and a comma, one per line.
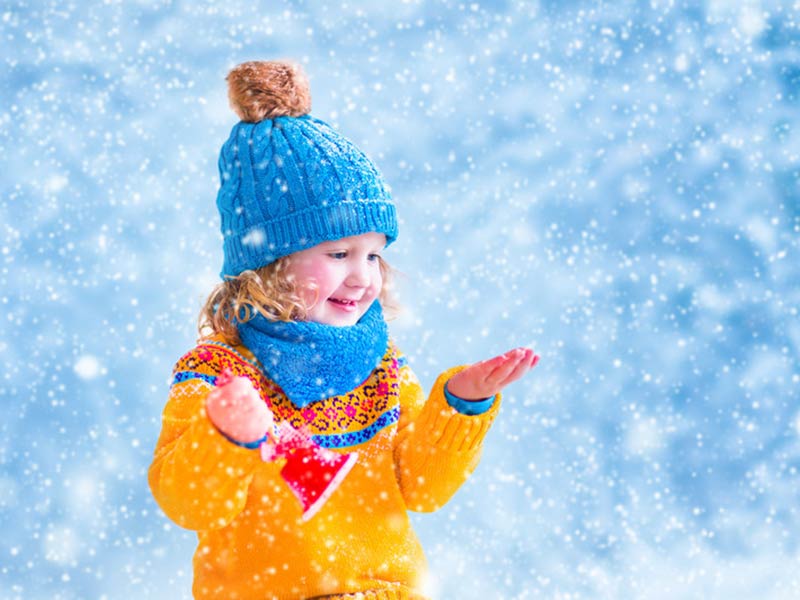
(289,181)
(413,454)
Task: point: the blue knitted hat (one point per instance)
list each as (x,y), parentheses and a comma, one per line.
(288,181)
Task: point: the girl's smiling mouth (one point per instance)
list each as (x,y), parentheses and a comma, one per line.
(344,303)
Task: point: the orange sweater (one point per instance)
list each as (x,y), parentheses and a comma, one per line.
(412,455)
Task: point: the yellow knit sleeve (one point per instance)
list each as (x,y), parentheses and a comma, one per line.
(199,478)
(437,448)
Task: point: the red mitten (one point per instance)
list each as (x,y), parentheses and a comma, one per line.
(236,409)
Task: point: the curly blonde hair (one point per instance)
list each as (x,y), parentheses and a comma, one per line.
(271,292)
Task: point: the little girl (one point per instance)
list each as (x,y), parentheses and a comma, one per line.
(296,335)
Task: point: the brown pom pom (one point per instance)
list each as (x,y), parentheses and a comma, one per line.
(260,90)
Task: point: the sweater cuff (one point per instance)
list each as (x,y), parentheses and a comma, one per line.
(449,429)
(468,407)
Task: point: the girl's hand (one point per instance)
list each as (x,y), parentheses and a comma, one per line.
(486,378)
(236,409)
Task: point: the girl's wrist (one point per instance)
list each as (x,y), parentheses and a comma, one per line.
(466,406)
(249,445)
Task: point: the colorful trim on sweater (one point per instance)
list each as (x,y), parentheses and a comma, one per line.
(338,422)
(354,438)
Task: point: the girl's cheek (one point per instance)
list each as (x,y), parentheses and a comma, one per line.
(377,286)
(309,292)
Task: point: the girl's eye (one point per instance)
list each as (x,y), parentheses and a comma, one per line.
(338,255)
(373,257)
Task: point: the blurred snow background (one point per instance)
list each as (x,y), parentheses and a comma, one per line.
(615,183)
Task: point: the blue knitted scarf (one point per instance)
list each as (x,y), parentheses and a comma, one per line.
(311,361)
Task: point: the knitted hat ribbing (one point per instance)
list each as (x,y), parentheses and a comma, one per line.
(288,181)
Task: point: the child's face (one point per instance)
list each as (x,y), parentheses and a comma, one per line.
(339,280)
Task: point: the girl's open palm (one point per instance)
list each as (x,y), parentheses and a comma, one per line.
(486,378)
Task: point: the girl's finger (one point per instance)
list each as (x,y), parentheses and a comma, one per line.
(522,367)
(531,358)
(482,369)
(528,355)
(513,358)
(492,363)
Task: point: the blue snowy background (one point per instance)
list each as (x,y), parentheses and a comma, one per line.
(615,183)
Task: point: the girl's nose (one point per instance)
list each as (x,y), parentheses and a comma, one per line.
(358,275)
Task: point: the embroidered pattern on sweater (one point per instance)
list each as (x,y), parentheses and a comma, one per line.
(187,375)
(210,359)
(337,422)
(353,438)
(352,418)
